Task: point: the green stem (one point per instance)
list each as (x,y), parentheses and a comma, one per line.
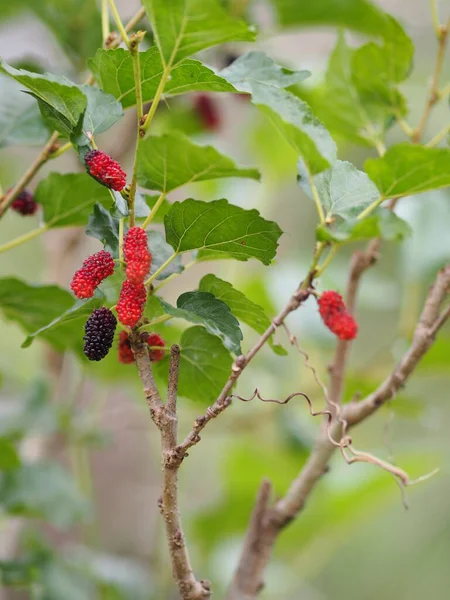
(332,253)
(161,268)
(320,249)
(369,209)
(444,92)
(121,223)
(118,20)
(157,321)
(316,197)
(61,150)
(154,210)
(438,137)
(435,18)
(156,100)
(105,21)
(173,276)
(26,237)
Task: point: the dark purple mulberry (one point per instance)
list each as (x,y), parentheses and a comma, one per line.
(99,333)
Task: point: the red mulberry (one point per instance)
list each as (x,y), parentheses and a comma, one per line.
(95,269)
(25,204)
(126,355)
(131,303)
(208,111)
(155,340)
(336,317)
(137,255)
(105,170)
(99,333)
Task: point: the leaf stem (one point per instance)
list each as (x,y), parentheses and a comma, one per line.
(118,20)
(121,224)
(26,237)
(435,18)
(369,209)
(159,92)
(154,210)
(332,253)
(316,197)
(438,137)
(61,150)
(161,268)
(157,321)
(173,276)
(105,21)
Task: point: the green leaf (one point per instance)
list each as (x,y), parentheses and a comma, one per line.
(383,223)
(172,160)
(9,458)
(408,169)
(21,123)
(67,329)
(359,15)
(59,96)
(223,227)
(102,112)
(102,226)
(343,189)
(42,490)
(297,124)
(204,308)
(161,251)
(68,199)
(113,71)
(243,308)
(257,66)
(205,365)
(32,306)
(184,27)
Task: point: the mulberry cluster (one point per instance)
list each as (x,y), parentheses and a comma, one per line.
(130,306)
(137,255)
(105,170)
(126,355)
(99,333)
(94,270)
(25,204)
(336,317)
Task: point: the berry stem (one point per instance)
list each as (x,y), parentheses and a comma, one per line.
(154,210)
(118,20)
(26,237)
(121,224)
(161,268)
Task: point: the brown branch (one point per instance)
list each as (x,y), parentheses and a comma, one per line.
(165,418)
(260,540)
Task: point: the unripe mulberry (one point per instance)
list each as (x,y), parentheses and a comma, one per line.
(99,333)
(336,317)
(208,111)
(136,254)
(130,306)
(25,204)
(105,170)
(126,355)
(155,340)
(94,270)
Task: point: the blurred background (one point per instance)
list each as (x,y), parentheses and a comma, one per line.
(100,535)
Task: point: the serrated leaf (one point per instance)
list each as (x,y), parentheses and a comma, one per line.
(297,124)
(161,251)
(102,112)
(205,365)
(102,226)
(243,308)
(9,457)
(43,490)
(59,95)
(343,189)
(223,227)
(172,160)
(21,123)
(66,330)
(257,66)
(184,27)
(408,169)
(32,306)
(383,223)
(205,309)
(359,15)
(68,199)
(113,71)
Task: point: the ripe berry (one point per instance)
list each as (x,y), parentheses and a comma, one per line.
(99,333)
(105,170)
(208,111)
(136,254)
(94,270)
(336,317)
(126,355)
(25,204)
(131,303)
(155,340)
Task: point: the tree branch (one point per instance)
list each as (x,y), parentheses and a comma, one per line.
(265,528)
